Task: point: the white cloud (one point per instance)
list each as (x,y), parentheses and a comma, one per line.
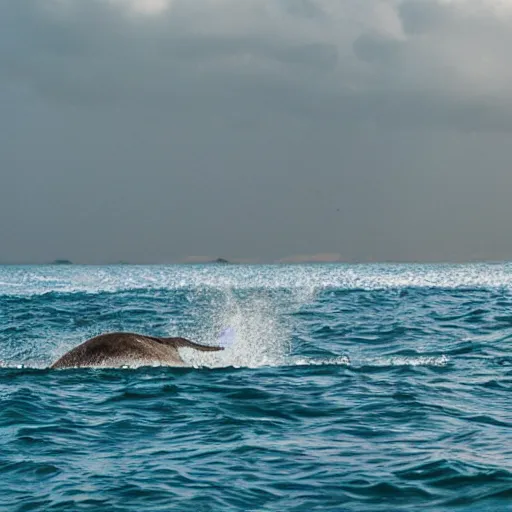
(149,7)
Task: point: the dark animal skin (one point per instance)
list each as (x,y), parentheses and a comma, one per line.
(125,348)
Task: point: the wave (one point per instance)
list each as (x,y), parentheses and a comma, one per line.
(39,280)
(239,360)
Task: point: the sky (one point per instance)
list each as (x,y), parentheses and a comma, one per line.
(155,131)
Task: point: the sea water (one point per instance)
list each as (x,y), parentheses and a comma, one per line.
(348,388)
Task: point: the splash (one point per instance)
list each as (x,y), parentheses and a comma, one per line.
(261,330)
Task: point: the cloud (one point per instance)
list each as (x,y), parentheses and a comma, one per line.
(148,7)
(151,130)
(327,55)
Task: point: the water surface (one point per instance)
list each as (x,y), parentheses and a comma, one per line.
(357,388)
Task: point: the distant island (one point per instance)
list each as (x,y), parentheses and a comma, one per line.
(62,261)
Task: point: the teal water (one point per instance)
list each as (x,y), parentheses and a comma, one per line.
(349,388)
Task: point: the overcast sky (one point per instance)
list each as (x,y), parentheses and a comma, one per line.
(167,130)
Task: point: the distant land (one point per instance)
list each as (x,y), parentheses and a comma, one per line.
(220,260)
(62,261)
(317,258)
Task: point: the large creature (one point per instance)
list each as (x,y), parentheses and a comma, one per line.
(126,348)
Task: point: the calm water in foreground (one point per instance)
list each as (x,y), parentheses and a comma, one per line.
(349,388)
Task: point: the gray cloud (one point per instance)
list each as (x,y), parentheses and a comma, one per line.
(95,52)
(256,129)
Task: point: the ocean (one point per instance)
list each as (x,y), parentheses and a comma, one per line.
(379,387)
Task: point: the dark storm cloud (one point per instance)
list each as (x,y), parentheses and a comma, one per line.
(147,130)
(96,52)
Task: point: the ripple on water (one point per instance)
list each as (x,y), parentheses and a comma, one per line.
(351,388)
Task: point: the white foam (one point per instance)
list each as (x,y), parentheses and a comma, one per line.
(37,280)
(407,361)
(310,361)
